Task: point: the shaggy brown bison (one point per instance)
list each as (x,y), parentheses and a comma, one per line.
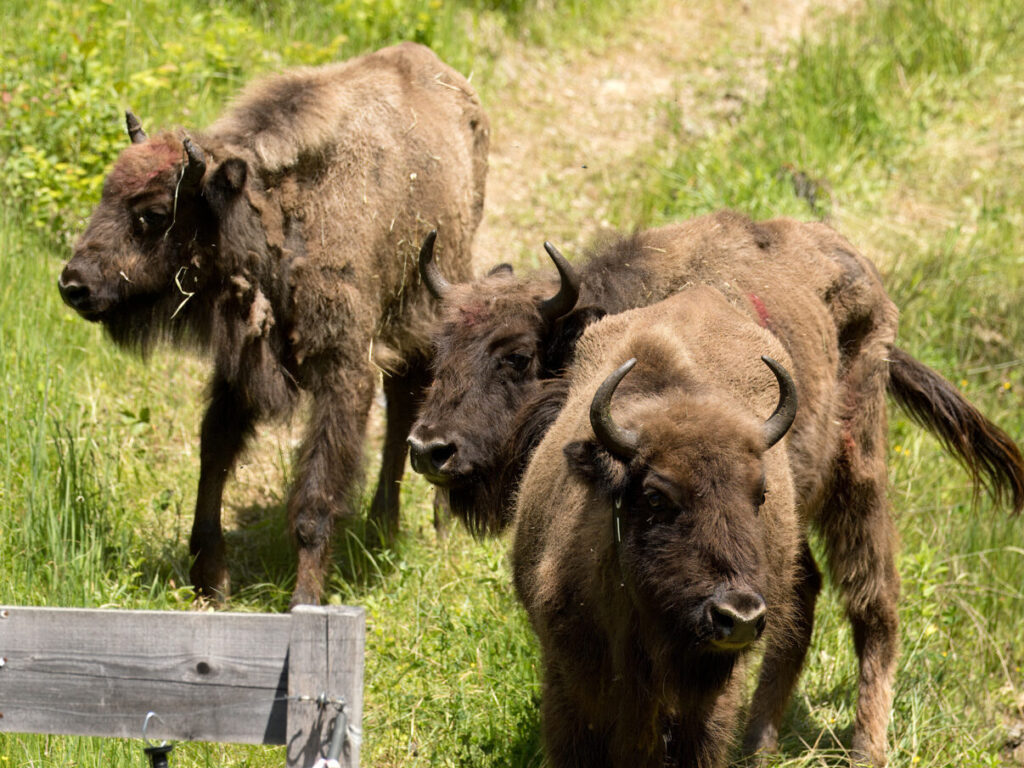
(282,240)
(653,547)
(502,347)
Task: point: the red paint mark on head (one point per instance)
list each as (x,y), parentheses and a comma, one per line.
(140,164)
(762,311)
(474,313)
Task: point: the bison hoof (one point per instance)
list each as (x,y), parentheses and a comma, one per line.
(211,581)
(304,596)
(760,745)
(864,753)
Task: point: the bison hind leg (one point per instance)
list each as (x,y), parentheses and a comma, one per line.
(327,474)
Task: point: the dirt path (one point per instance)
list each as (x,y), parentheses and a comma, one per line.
(565,131)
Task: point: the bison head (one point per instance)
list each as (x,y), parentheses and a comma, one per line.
(142,255)
(683,490)
(498,338)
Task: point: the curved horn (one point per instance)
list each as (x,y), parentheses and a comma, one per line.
(568,292)
(195,169)
(135,132)
(780,421)
(429,273)
(621,442)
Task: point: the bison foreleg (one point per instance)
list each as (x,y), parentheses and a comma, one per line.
(327,474)
(783,660)
(404,393)
(227,425)
(570,741)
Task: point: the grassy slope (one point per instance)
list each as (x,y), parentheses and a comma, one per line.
(912,125)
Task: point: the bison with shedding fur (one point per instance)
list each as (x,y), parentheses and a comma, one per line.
(503,345)
(282,241)
(656,537)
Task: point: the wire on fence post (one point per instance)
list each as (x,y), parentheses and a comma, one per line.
(157,754)
(338,737)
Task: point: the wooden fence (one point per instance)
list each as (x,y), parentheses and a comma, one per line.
(225,677)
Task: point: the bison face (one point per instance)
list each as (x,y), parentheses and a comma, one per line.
(492,349)
(684,494)
(139,260)
(485,365)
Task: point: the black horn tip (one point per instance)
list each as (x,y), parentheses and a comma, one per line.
(436,283)
(568,294)
(194,171)
(135,132)
(785,412)
(621,442)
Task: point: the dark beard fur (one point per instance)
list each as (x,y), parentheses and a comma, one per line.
(486,503)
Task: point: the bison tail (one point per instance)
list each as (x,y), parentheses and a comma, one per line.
(989,454)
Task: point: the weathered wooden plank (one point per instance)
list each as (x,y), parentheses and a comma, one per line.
(209,676)
(337,678)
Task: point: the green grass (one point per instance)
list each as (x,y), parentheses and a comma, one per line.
(906,116)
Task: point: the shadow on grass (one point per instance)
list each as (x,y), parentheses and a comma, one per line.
(262,557)
(802,732)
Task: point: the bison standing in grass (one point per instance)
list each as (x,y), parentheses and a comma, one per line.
(656,540)
(503,346)
(282,241)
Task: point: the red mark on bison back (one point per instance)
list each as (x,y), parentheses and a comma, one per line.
(762,311)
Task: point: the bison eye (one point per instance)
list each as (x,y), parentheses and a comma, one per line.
(655,500)
(149,221)
(517,362)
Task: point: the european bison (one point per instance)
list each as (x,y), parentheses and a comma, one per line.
(502,348)
(282,241)
(653,547)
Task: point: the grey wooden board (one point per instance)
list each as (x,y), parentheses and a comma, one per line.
(208,676)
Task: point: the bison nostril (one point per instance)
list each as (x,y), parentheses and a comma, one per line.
(74,293)
(440,453)
(723,620)
(738,620)
(429,458)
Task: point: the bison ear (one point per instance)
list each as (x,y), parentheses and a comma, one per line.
(226,182)
(499,268)
(560,348)
(595,464)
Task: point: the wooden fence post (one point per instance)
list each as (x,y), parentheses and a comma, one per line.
(311,676)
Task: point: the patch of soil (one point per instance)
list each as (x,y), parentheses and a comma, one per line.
(565,128)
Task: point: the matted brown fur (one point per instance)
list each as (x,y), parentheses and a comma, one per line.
(631,676)
(292,262)
(825,302)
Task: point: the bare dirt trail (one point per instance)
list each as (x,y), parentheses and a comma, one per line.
(564,130)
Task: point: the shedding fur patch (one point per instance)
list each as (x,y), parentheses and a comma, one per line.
(261,316)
